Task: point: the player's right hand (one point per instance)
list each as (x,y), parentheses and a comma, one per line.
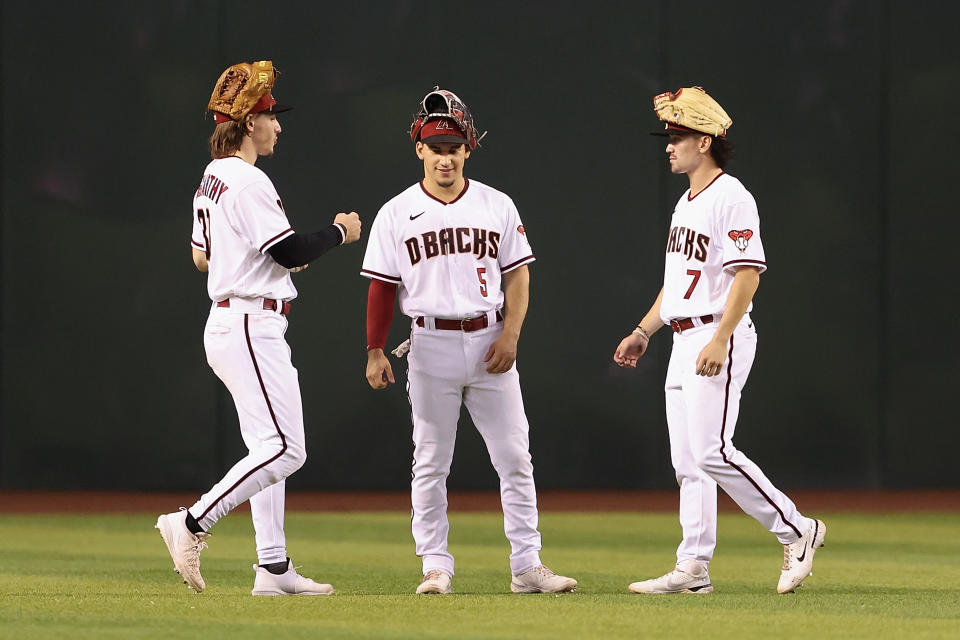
(379,371)
(630,350)
(351,222)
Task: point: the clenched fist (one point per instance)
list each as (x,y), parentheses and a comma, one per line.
(351,222)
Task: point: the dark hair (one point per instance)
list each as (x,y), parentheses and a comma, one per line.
(721,151)
(227,138)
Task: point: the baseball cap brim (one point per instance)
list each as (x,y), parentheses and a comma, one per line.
(444,129)
(220,118)
(676,130)
(444,138)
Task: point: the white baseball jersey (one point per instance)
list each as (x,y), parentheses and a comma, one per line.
(710,234)
(447,257)
(237,216)
(448,260)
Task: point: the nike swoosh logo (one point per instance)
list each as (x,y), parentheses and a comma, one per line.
(414,217)
(804,554)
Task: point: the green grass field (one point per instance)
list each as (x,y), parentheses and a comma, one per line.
(88,576)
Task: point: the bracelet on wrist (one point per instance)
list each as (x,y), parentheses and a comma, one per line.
(640,331)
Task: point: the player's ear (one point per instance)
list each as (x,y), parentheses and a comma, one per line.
(466,151)
(248,123)
(419,149)
(705,143)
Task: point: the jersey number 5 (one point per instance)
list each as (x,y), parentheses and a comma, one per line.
(693,285)
(483,283)
(203,215)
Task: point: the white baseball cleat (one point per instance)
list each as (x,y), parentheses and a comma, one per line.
(289,583)
(798,557)
(435,581)
(541,579)
(689,576)
(184,547)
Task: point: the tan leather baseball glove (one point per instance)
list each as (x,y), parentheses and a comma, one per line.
(692,108)
(240,87)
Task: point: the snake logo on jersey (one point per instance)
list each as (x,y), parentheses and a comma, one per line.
(449,241)
(688,242)
(741,238)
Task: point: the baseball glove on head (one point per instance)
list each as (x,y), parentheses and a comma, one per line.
(243,89)
(441,103)
(691,109)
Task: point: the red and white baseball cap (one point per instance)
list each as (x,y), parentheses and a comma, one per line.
(266,103)
(442,130)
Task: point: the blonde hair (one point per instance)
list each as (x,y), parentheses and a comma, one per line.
(227,138)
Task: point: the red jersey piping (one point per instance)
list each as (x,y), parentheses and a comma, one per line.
(466,183)
(379,276)
(689,197)
(518,263)
(744,261)
(283,233)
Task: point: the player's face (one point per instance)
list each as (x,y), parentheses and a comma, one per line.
(264,132)
(685,152)
(443,162)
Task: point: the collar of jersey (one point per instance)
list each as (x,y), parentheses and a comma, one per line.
(466,184)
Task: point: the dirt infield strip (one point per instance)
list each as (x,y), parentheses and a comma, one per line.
(807,501)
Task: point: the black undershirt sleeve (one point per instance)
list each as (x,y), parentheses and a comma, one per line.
(303,248)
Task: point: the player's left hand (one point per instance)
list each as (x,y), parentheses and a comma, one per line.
(502,354)
(711,358)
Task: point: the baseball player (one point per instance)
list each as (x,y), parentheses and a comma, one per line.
(243,240)
(444,246)
(714,258)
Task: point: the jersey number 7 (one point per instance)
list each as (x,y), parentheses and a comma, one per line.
(696,278)
(203,215)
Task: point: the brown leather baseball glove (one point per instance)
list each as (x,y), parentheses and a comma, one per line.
(240,87)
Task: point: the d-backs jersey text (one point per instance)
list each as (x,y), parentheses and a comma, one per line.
(710,235)
(237,216)
(447,257)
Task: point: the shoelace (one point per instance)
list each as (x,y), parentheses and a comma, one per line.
(296,572)
(788,552)
(544,571)
(666,577)
(679,573)
(433,574)
(193,559)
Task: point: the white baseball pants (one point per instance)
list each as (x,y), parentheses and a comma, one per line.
(446,369)
(246,349)
(702,416)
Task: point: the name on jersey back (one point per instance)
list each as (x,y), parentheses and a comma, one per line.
(212,187)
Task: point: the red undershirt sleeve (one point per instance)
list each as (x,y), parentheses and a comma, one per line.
(380,297)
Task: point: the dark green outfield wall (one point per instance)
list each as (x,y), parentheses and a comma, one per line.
(845,127)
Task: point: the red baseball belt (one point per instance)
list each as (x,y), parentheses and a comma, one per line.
(682,324)
(268,305)
(467,324)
